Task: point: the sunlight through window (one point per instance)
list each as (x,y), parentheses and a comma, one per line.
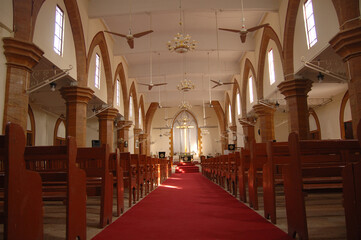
(97,71)
(310,25)
(118,92)
(59,31)
(271,67)
(250,86)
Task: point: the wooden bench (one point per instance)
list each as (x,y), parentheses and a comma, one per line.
(234,161)
(352,195)
(23,207)
(118,179)
(307,158)
(148,175)
(257,159)
(142,174)
(95,163)
(62,181)
(243,173)
(134,165)
(128,176)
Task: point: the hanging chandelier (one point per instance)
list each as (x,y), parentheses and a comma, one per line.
(185,105)
(185,85)
(181,43)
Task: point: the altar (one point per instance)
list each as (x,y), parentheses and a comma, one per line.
(186,157)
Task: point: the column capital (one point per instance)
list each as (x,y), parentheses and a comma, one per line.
(108,114)
(262,110)
(347,42)
(246,122)
(20,53)
(75,94)
(295,87)
(233,128)
(124,124)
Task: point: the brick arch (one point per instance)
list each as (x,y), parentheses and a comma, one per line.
(268,34)
(133,93)
(119,72)
(289,34)
(345,98)
(220,114)
(25,15)
(99,40)
(236,89)
(248,66)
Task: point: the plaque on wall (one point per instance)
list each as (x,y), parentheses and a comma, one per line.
(161,154)
(231,147)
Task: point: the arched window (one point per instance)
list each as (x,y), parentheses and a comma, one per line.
(238,103)
(97,71)
(59,132)
(118,92)
(250,87)
(310,25)
(229,113)
(130,107)
(271,67)
(140,119)
(185,134)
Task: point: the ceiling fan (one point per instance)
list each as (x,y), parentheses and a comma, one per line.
(243,32)
(151,84)
(220,83)
(130,37)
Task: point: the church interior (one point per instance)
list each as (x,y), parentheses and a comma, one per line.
(197,119)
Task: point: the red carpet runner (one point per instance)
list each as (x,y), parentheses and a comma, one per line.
(189,206)
(186,168)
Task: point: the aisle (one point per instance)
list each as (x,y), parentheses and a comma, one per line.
(189,206)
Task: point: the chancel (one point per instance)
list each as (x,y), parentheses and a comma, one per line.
(210,119)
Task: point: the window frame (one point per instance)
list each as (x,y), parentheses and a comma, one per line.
(309,29)
(97,71)
(271,67)
(118,92)
(238,96)
(229,113)
(58,43)
(250,89)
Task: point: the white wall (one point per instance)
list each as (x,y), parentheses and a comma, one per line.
(281,126)
(329,118)
(44,126)
(102,92)
(92,131)
(326,27)
(44,37)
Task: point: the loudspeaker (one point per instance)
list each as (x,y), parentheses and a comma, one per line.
(96,143)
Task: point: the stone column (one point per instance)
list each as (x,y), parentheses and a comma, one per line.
(347,44)
(137,132)
(224,140)
(295,92)
(266,118)
(21,57)
(77,99)
(106,126)
(123,135)
(234,133)
(248,131)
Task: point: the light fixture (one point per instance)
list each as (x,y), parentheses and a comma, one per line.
(52,86)
(320,77)
(277,104)
(185,85)
(181,43)
(185,105)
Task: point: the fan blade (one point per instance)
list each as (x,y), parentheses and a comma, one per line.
(159,84)
(131,43)
(118,34)
(257,27)
(145,84)
(230,30)
(228,83)
(216,82)
(216,86)
(138,35)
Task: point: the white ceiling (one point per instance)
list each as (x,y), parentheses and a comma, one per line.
(212,59)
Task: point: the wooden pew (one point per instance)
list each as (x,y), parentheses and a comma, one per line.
(118,179)
(308,158)
(155,164)
(23,206)
(352,196)
(142,172)
(62,181)
(134,166)
(277,156)
(95,163)
(243,173)
(130,180)
(258,158)
(233,168)
(148,175)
